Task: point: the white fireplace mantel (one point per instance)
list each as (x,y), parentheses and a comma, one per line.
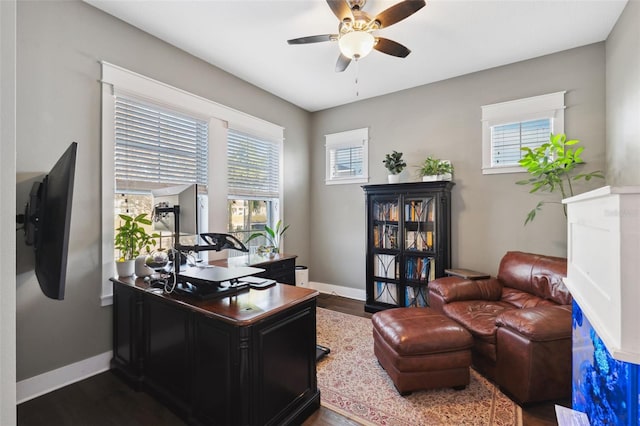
(603,270)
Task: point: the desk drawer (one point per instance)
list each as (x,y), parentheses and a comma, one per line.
(283,271)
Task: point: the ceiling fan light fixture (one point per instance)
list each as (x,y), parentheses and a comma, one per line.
(356,44)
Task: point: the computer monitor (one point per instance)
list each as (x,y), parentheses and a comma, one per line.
(185,196)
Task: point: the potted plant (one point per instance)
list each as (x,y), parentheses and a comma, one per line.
(551,167)
(394,164)
(130,239)
(433,169)
(272,237)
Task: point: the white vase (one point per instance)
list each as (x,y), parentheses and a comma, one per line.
(394,178)
(434,178)
(141,268)
(126,268)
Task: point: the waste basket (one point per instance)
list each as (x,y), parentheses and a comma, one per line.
(302,276)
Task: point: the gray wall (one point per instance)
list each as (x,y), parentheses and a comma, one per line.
(7,212)
(443,119)
(623,98)
(58,101)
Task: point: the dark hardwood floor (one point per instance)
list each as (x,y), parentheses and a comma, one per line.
(104,400)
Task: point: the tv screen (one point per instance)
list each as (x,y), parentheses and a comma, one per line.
(52,219)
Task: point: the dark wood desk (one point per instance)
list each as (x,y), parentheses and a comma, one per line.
(281,267)
(220,362)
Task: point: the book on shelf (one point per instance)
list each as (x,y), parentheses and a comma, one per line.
(415,297)
(385,211)
(420,269)
(417,210)
(385,292)
(386,236)
(419,240)
(386,266)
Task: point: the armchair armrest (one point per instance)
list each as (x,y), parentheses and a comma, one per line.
(541,323)
(452,289)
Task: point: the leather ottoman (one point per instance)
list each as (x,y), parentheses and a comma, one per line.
(421,349)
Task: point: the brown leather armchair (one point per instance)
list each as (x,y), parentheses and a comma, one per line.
(520,322)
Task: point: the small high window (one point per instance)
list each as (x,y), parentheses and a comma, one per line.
(347,157)
(507,127)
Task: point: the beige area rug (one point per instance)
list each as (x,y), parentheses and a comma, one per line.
(353,384)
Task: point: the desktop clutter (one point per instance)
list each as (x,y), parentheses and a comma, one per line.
(176,269)
(180,272)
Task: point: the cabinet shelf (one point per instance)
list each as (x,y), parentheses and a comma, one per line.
(408,241)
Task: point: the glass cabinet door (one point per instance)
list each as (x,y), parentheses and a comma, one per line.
(385,257)
(386,273)
(419,224)
(386,227)
(419,246)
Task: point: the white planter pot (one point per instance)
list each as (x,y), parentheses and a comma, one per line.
(434,178)
(141,268)
(126,268)
(394,178)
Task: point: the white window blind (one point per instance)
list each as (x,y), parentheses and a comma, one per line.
(347,157)
(508,139)
(253,166)
(156,147)
(346,162)
(509,126)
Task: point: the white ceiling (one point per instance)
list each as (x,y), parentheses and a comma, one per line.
(447,38)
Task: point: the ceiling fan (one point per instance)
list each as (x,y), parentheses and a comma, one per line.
(355,31)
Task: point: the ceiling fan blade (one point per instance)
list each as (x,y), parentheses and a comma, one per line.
(341,9)
(343,63)
(398,12)
(391,47)
(313,39)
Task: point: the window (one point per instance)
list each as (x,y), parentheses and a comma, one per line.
(254,185)
(509,126)
(180,112)
(156,148)
(347,157)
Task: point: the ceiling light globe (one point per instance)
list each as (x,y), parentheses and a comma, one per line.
(356,44)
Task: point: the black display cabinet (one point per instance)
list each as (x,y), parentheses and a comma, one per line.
(408,241)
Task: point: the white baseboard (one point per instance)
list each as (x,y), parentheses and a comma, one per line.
(338,290)
(47,382)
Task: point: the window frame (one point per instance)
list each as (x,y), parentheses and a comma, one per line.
(274,200)
(348,139)
(548,106)
(116,80)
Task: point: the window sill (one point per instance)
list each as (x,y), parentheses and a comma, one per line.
(346,181)
(499,170)
(106,299)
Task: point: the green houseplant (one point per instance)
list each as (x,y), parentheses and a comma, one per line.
(552,168)
(130,239)
(272,237)
(395,165)
(435,169)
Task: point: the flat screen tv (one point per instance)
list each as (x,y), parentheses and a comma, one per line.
(47,221)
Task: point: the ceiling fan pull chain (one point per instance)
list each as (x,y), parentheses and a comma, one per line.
(357,77)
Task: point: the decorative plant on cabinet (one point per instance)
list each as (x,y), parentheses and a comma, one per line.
(433,169)
(395,165)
